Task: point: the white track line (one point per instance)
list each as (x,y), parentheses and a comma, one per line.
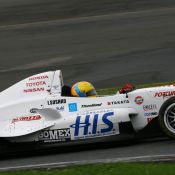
(148,158)
(89,18)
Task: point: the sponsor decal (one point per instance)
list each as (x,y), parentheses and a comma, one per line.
(72,107)
(33,90)
(88,127)
(33,110)
(164,94)
(95,112)
(27,118)
(139,100)
(39,83)
(38,77)
(55,135)
(60,108)
(148,114)
(149,107)
(56,102)
(118,102)
(91,105)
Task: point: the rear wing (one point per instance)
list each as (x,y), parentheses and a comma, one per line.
(41,84)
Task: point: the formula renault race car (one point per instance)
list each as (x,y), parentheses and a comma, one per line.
(35,110)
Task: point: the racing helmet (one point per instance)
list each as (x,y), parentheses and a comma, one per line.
(83,89)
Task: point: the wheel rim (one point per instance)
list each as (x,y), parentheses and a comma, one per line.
(169,118)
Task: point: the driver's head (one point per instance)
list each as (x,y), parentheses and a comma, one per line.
(83,89)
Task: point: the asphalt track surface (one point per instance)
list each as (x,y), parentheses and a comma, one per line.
(161,149)
(107,50)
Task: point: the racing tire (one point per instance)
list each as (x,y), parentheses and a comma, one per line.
(167,117)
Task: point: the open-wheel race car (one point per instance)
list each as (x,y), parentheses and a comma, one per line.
(36,110)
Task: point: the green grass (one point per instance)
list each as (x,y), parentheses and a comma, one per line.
(110,91)
(106,169)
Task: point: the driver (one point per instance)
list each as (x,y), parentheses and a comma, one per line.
(86,89)
(83,89)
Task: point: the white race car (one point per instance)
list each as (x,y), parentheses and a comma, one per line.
(34,110)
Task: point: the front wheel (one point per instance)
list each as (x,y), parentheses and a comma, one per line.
(167,117)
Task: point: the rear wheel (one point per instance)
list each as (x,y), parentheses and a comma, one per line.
(167,117)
